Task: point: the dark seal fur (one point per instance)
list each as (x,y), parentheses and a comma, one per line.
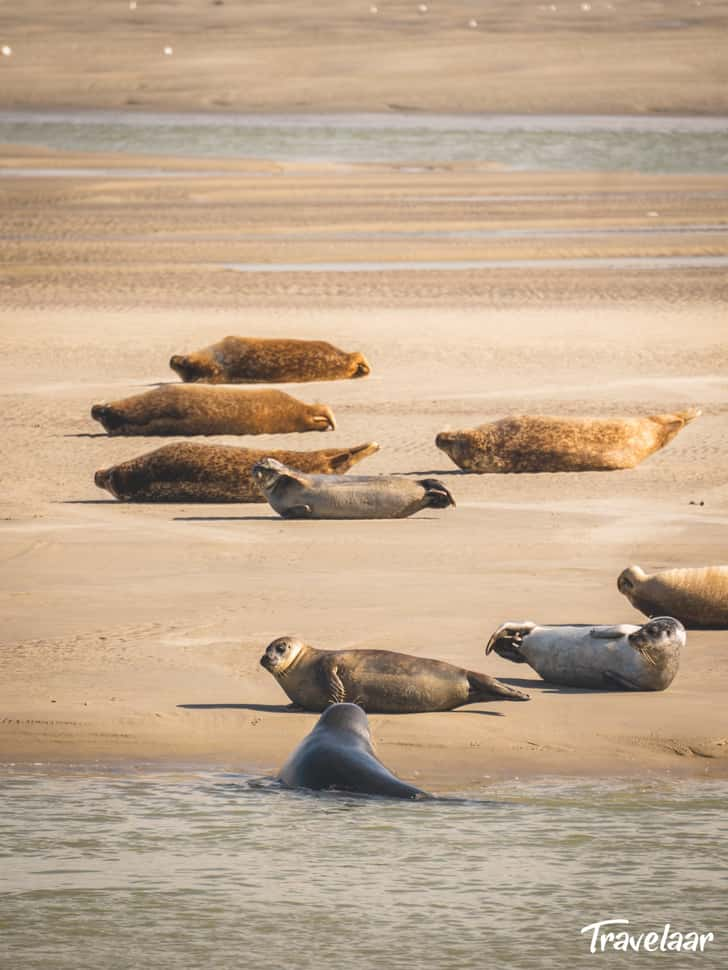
(338,754)
(530,443)
(190,472)
(379,681)
(175,409)
(258,360)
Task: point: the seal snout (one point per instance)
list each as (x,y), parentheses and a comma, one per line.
(106,416)
(362,368)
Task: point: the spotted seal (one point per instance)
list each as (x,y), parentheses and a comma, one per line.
(621,657)
(380,681)
(186,471)
(296,495)
(698,597)
(175,409)
(529,443)
(255,360)
(339,754)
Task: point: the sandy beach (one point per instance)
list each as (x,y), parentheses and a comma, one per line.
(597,57)
(134,632)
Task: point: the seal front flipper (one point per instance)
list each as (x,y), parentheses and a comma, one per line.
(482,687)
(618,681)
(336,692)
(611,632)
(297,512)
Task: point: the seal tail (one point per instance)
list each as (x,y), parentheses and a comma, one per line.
(437,495)
(485,688)
(344,459)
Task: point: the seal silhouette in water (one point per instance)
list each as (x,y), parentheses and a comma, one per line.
(190,472)
(255,360)
(621,657)
(180,410)
(698,597)
(551,444)
(297,495)
(380,681)
(338,754)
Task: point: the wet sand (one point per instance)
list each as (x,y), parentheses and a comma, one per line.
(135,631)
(600,57)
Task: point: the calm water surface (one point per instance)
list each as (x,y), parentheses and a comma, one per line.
(544,143)
(149,868)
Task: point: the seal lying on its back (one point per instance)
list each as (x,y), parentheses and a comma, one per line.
(338,753)
(622,657)
(380,681)
(296,495)
(177,410)
(545,444)
(190,472)
(697,597)
(254,360)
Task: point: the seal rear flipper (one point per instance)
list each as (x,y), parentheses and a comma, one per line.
(347,457)
(437,495)
(482,687)
(507,640)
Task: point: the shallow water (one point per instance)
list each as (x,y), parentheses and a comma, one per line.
(143,867)
(527,143)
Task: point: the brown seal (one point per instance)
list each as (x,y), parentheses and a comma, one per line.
(190,472)
(174,409)
(259,360)
(379,681)
(531,443)
(697,597)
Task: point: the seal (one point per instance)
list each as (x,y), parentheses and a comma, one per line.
(529,443)
(190,472)
(180,410)
(698,597)
(258,360)
(379,681)
(339,754)
(296,495)
(621,657)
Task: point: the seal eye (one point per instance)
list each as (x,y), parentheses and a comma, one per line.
(280,649)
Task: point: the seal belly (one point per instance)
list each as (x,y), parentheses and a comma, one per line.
(576,660)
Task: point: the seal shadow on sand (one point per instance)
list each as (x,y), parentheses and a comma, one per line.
(290,709)
(277,518)
(263,708)
(544,687)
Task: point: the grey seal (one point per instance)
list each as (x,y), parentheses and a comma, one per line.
(339,754)
(186,471)
(698,597)
(380,681)
(534,443)
(255,360)
(623,657)
(296,495)
(176,409)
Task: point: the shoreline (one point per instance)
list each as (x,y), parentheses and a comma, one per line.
(135,630)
